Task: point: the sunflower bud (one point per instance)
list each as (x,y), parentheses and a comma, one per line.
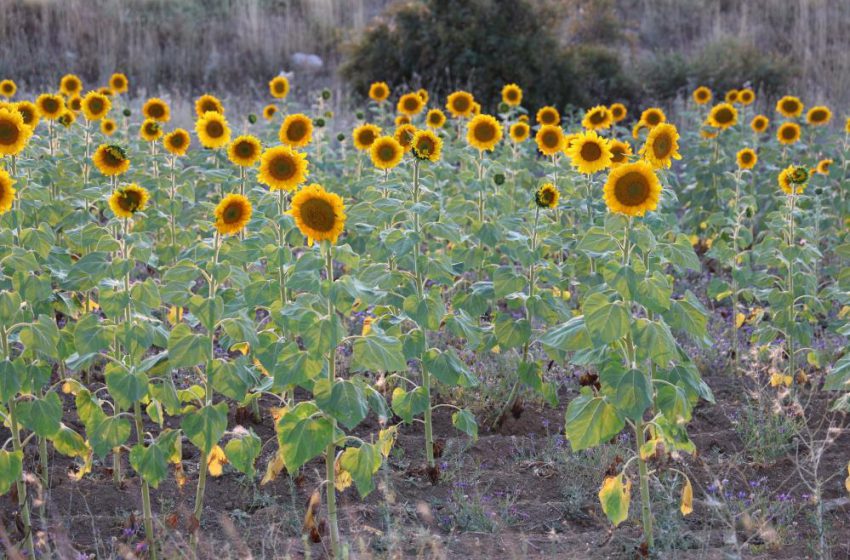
(127,112)
(326,94)
(503,107)
(252,118)
(499,179)
(340,136)
(319,122)
(359,115)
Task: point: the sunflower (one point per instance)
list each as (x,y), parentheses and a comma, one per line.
(653,117)
(208,102)
(402,119)
(709,133)
(747,158)
(426,145)
(74,103)
(640,125)
(548,115)
(14,134)
(423,95)
(483,132)
(364,135)
(7,191)
(847,126)
(105,91)
(550,139)
(245,150)
(404,136)
(590,153)
(282,168)
(618,112)
(746,96)
(70,84)
(296,130)
(435,118)
(50,106)
(319,215)
(788,133)
(386,152)
(701,95)
(476,109)
(232,214)
(597,118)
(126,201)
(379,91)
(819,115)
(731,96)
(95,106)
(8,88)
(662,146)
(177,142)
(722,116)
(620,152)
(279,87)
(269,111)
(118,83)
(793,179)
(156,109)
(632,189)
(150,131)
(547,196)
(111,159)
(108,127)
(67,118)
(460,104)
(519,132)
(789,106)
(212,130)
(823,166)
(410,104)
(759,124)
(29,112)
(569,139)
(512,95)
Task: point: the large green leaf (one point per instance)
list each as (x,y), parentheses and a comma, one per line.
(186,349)
(361,463)
(615,496)
(630,391)
(378,353)
(510,332)
(43,416)
(108,433)
(11,468)
(409,404)
(126,388)
(204,427)
(150,462)
(242,451)
(343,400)
(90,336)
(303,434)
(606,321)
(592,420)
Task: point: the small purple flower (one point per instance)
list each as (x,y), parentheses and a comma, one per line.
(741,494)
(128,532)
(141,548)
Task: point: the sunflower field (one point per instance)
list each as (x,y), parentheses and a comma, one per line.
(422,330)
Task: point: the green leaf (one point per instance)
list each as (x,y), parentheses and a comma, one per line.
(90,336)
(150,462)
(11,380)
(207,311)
(361,463)
(409,404)
(448,368)
(69,443)
(230,379)
(11,468)
(681,253)
(344,401)
(302,436)
(204,427)
(615,496)
(242,451)
(838,378)
(591,420)
(631,391)
(108,433)
(673,402)
(568,337)
(126,388)
(510,332)
(655,341)
(606,321)
(42,337)
(378,353)
(464,421)
(42,416)
(186,349)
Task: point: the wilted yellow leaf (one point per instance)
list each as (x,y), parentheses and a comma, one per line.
(273,469)
(386,440)
(739,320)
(216,461)
(687,506)
(615,496)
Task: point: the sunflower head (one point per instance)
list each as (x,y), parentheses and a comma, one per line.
(731,96)
(426,145)
(156,109)
(232,214)
(379,91)
(212,130)
(269,111)
(547,196)
(618,112)
(28,112)
(423,95)
(8,88)
(70,84)
(759,124)
(386,152)
(550,139)
(632,189)
(319,215)
(282,168)
(111,159)
(279,87)
(177,142)
(296,130)
(7,191)
(435,119)
(108,127)
(404,134)
(401,120)
(789,106)
(245,150)
(746,158)
(126,201)
(14,134)
(118,83)
(702,95)
(460,104)
(792,179)
(50,106)
(589,153)
(723,116)
(364,135)
(74,103)
(662,146)
(95,106)
(410,104)
(620,152)
(151,130)
(483,132)
(208,102)
(548,115)
(511,95)
(519,132)
(819,115)
(823,166)
(597,118)
(653,117)
(788,133)
(67,118)
(746,96)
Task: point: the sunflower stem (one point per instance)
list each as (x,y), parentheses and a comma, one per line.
(330,452)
